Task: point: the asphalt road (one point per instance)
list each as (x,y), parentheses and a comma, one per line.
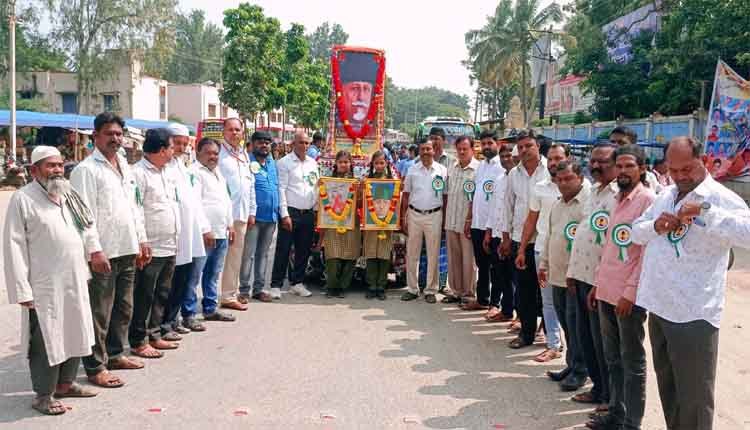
(318,363)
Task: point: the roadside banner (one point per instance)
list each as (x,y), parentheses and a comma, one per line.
(728,128)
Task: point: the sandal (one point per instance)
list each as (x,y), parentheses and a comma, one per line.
(146,351)
(76,390)
(514,328)
(171,337)
(547,355)
(450,300)
(586,398)
(498,317)
(48,406)
(517,343)
(473,306)
(124,363)
(105,379)
(163,344)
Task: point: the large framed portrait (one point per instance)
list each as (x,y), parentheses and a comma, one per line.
(337,203)
(381,200)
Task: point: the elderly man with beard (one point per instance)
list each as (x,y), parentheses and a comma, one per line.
(195,236)
(687,234)
(617,278)
(258,239)
(105,182)
(47,222)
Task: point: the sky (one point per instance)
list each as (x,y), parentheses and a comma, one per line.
(423,39)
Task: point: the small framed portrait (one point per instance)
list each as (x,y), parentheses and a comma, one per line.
(337,204)
(381,200)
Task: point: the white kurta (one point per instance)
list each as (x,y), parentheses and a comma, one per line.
(45,262)
(193,219)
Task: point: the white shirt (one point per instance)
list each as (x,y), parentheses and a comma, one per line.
(519,185)
(653,183)
(157,191)
(544,194)
(298,183)
(212,189)
(488,170)
(110,194)
(192,217)
(235,167)
(496,212)
(691,287)
(418,184)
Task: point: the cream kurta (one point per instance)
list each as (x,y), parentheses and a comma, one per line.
(45,261)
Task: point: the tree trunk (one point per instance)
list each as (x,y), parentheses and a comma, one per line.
(524,105)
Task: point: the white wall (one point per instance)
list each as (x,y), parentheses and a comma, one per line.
(190,102)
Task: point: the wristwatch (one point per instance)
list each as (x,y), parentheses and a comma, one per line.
(705,206)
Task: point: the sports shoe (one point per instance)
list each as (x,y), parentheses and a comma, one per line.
(275,293)
(300,290)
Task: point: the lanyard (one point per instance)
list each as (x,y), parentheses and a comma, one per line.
(234,154)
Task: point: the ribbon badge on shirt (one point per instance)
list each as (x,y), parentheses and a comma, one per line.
(488,187)
(438,184)
(675,237)
(311,179)
(622,236)
(600,223)
(469,188)
(570,234)
(255,167)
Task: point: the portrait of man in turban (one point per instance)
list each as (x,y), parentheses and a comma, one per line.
(358,71)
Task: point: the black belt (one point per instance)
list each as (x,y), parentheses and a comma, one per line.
(302,211)
(427,212)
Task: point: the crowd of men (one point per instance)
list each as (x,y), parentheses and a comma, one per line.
(601,256)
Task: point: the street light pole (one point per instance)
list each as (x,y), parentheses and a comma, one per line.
(12,60)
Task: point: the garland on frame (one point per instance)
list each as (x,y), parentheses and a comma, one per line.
(385,222)
(344,214)
(376,99)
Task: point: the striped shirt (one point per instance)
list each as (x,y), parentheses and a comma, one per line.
(458,201)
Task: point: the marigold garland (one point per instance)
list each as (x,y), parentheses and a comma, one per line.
(391,210)
(344,214)
(376,97)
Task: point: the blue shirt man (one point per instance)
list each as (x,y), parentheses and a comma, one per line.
(317,144)
(258,238)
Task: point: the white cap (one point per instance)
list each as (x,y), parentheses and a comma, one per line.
(514,151)
(176,129)
(41,152)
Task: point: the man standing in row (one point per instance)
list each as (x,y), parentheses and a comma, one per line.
(158,199)
(422,204)
(106,184)
(689,229)
(298,192)
(621,136)
(461,273)
(234,165)
(587,251)
(258,239)
(47,223)
(617,278)
(521,179)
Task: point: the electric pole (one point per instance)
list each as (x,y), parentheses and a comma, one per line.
(12,60)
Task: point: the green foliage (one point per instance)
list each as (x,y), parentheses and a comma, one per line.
(668,70)
(324,38)
(429,101)
(35,104)
(33,50)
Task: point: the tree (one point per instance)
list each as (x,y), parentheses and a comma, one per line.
(501,49)
(33,51)
(198,50)
(324,38)
(253,59)
(407,106)
(87,28)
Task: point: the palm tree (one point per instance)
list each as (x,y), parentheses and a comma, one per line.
(500,50)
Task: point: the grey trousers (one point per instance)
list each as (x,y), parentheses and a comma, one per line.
(111,298)
(565,306)
(625,355)
(255,257)
(44,378)
(685,357)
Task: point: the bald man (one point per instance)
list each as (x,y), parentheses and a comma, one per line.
(298,178)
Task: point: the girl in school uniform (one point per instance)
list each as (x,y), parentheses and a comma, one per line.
(341,249)
(378,244)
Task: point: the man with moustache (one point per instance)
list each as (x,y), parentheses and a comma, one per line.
(47,222)
(587,250)
(485,184)
(106,184)
(531,170)
(506,159)
(622,135)
(258,239)
(687,234)
(543,195)
(617,277)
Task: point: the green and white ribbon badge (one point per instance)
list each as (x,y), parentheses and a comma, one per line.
(488,187)
(438,184)
(255,167)
(622,236)
(600,223)
(570,234)
(311,179)
(675,237)
(469,188)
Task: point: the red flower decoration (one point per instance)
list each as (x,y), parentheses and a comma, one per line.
(336,58)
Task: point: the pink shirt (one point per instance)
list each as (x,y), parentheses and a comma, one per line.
(619,270)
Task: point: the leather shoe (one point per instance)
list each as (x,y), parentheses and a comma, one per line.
(263,297)
(572,382)
(558,376)
(430,298)
(407,296)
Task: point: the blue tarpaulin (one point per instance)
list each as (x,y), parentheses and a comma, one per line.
(66,120)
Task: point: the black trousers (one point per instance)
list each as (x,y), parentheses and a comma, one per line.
(303,229)
(495,285)
(590,335)
(152,285)
(527,290)
(176,296)
(45,378)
